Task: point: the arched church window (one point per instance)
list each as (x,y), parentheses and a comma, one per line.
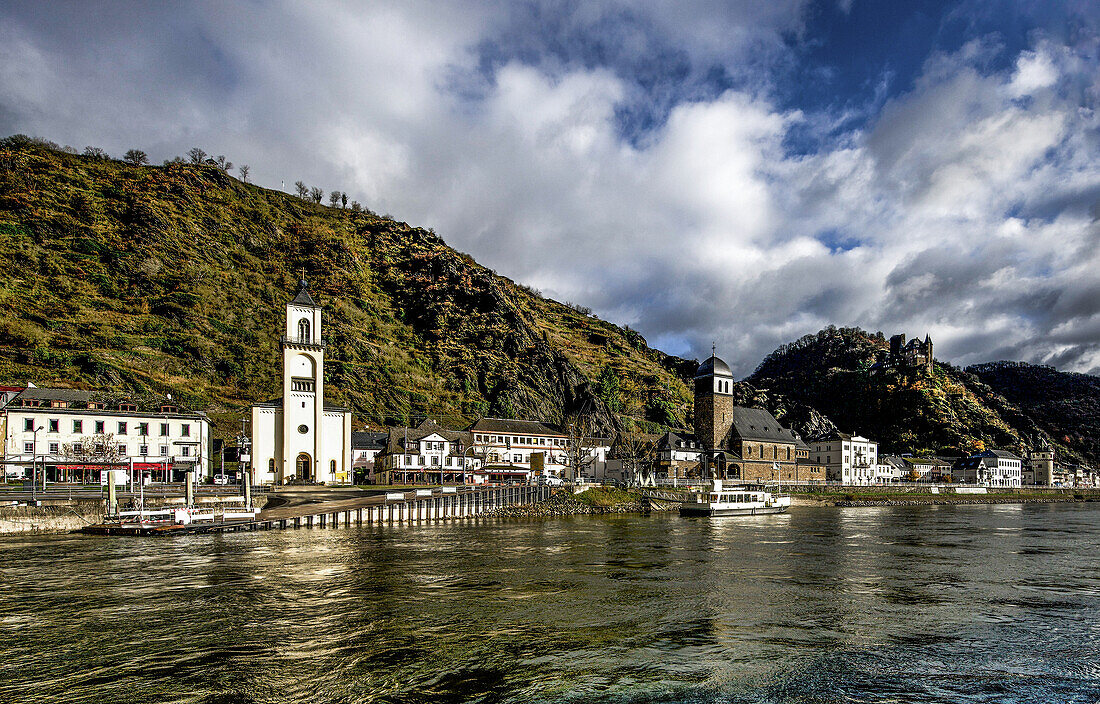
(303,330)
(332,467)
(271,466)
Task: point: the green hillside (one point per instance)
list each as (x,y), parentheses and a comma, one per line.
(1065,405)
(906,410)
(173,279)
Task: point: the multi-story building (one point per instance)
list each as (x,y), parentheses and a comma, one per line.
(76,435)
(298,436)
(1039,466)
(744,443)
(848,459)
(365,449)
(491,450)
(679,457)
(995,468)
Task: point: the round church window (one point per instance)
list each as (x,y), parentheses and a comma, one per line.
(303,429)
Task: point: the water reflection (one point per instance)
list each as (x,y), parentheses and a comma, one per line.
(954,603)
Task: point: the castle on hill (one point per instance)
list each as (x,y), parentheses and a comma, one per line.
(914,356)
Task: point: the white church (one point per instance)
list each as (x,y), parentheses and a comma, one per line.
(298,437)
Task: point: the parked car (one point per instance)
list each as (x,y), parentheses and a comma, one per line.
(221,479)
(550,480)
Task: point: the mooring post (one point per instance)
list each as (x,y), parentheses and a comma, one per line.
(247,489)
(190,491)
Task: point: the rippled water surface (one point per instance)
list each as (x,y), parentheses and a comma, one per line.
(898,604)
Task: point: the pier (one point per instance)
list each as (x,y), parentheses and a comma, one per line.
(413,506)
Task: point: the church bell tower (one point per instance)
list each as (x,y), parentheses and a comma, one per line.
(303,388)
(713,402)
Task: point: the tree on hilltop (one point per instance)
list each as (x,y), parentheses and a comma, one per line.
(136,157)
(243,169)
(316,194)
(196,155)
(333,198)
(302,189)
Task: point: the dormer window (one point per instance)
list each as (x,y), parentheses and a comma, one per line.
(58,404)
(95,405)
(168,409)
(127,406)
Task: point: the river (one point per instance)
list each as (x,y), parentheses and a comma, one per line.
(975,603)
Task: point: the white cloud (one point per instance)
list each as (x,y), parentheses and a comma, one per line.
(970,201)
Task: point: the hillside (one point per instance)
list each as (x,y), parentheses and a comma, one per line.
(173,278)
(1064,405)
(949,412)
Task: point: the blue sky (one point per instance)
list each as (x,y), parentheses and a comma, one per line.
(741,172)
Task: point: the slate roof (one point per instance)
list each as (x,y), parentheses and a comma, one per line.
(758,425)
(712,366)
(369,440)
(999,454)
(303,298)
(396,437)
(78,400)
(671,441)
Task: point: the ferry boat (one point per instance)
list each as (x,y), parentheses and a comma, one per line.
(735,500)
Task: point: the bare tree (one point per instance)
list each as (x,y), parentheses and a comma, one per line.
(344,200)
(637,451)
(303,190)
(98,450)
(136,157)
(223,164)
(243,169)
(333,198)
(579,458)
(196,155)
(316,194)
(96,153)
(356,207)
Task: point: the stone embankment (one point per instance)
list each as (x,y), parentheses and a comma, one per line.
(50,519)
(564,504)
(932,500)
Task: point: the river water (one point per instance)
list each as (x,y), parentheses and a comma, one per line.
(993,603)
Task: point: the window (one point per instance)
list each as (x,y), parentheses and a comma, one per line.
(164,430)
(55,425)
(421,460)
(144,450)
(122,449)
(271,465)
(517,458)
(303,330)
(99,426)
(143,429)
(185,451)
(121,428)
(332,467)
(435,460)
(408,460)
(301,385)
(164,451)
(185,430)
(54,448)
(28,447)
(28,425)
(78,426)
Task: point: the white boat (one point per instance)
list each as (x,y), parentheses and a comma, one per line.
(736,500)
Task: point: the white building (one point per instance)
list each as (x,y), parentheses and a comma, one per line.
(429,454)
(848,459)
(299,437)
(77,435)
(995,468)
(509,446)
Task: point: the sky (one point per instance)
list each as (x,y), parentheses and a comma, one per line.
(739,173)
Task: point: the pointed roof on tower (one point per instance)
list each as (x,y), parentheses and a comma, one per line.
(303,298)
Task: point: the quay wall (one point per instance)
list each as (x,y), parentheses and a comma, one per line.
(57,515)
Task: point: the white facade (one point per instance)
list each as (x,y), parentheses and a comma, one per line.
(848,459)
(70,425)
(298,437)
(514,442)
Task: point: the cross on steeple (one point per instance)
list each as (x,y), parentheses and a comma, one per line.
(713,349)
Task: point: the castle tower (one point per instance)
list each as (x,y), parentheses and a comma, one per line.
(1042,462)
(928,353)
(713,402)
(303,388)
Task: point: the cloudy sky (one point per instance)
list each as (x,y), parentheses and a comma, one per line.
(743,171)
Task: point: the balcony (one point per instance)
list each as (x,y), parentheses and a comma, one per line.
(314,343)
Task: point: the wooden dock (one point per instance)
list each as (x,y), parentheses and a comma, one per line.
(440,503)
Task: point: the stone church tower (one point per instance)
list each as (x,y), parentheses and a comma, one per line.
(713,402)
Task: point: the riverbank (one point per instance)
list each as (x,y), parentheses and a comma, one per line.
(848,499)
(594,501)
(66,516)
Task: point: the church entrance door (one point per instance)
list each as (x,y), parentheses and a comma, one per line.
(304,468)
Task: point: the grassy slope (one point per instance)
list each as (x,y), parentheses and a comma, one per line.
(173,279)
